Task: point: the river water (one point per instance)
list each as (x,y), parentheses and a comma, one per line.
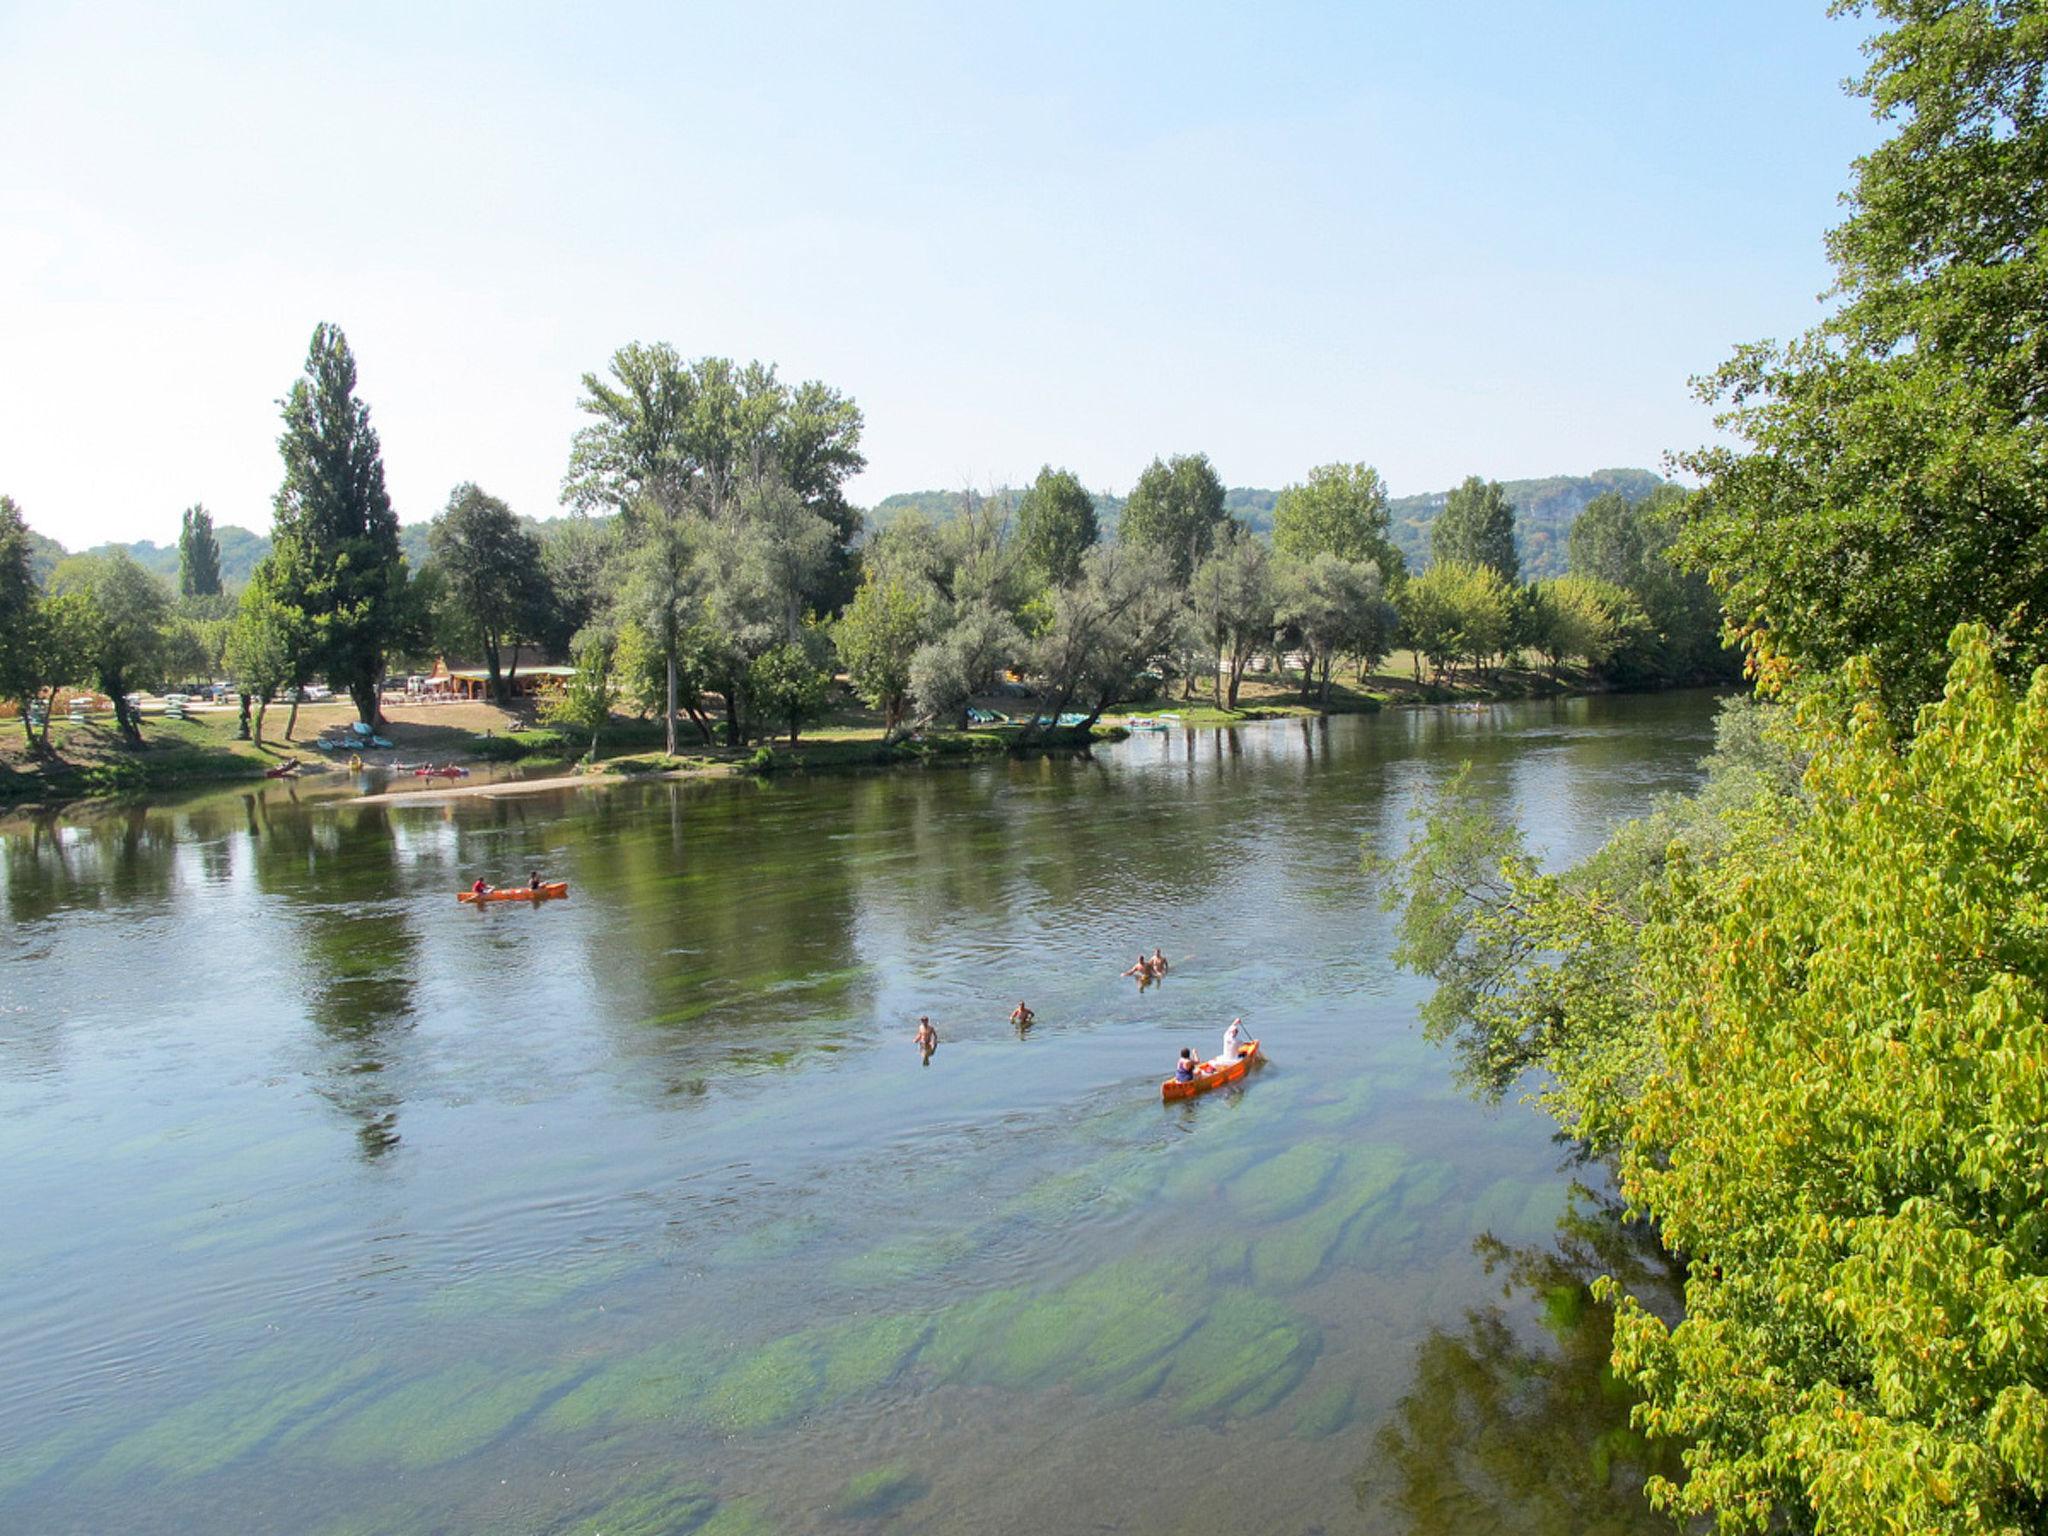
(336,1206)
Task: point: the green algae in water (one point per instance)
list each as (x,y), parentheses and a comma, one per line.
(441,1417)
(1091,1319)
(1518,1210)
(742,1517)
(657,1508)
(1295,1254)
(1115,1182)
(771,1386)
(516,1291)
(861,1356)
(915,1258)
(1426,1185)
(662,1384)
(1327,1411)
(1208,1170)
(881,1491)
(217,1427)
(1284,1184)
(962,1331)
(1248,1354)
(771,1241)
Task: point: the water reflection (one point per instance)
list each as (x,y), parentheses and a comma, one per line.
(1509,1429)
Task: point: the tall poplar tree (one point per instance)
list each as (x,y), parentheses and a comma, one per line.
(1176,510)
(198,554)
(1477,527)
(335,543)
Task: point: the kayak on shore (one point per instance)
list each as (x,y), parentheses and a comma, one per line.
(1212,1074)
(544,892)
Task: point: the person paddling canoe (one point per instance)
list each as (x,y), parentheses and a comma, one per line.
(1233,1041)
(481,889)
(1184,1070)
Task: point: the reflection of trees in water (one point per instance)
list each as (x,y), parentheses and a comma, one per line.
(354,957)
(1502,1431)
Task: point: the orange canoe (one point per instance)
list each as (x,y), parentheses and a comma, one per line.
(518,892)
(1209,1075)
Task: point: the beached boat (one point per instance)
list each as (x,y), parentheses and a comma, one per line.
(546,892)
(1212,1074)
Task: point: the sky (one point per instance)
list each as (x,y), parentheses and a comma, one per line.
(1493,238)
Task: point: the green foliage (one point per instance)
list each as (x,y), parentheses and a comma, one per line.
(1584,617)
(877,636)
(198,554)
(40,638)
(1176,511)
(1333,607)
(269,644)
(121,615)
(1631,545)
(1454,612)
(1056,525)
(1233,598)
(493,582)
(585,703)
(1341,510)
(1847,1137)
(1477,527)
(334,554)
(1104,629)
(791,681)
(1887,482)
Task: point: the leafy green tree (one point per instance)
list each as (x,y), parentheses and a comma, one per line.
(1176,510)
(585,701)
(1586,617)
(1056,525)
(1334,607)
(1844,1135)
(1886,479)
(659,595)
(493,575)
(1632,545)
(1457,612)
(881,630)
(334,552)
(198,554)
(1104,631)
(122,615)
(269,645)
(1477,527)
(41,637)
(961,661)
(1233,597)
(791,681)
(579,559)
(1340,510)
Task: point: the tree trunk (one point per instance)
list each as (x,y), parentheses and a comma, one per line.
(668,719)
(291,721)
(262,704)
(243,733)
(363,691)
(1328,660)
(491,662)
(732,715)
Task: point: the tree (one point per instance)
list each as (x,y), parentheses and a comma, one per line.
(1477,527)
(1233,602)
(269,645)
(41,645)
(1886,481)
(659,594)
(961,661)
(585,702)
(198,554)
(1105,629)
(334,549)
(1056,525)
(791,681)
(1341,511)
(1457,612)
(1334,608)
(1631,544)
(578,558)
(1843,1134)
(1585,617)
(493,573)
(881,630)
(1175,510)
(122,614)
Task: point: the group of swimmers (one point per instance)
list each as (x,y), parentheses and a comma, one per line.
(1148,969)
(484,888)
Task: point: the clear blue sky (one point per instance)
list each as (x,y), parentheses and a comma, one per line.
(1491,238)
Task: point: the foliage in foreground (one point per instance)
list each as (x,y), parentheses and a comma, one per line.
(1813,1020)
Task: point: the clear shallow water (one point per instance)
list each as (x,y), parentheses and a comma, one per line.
(337,1206)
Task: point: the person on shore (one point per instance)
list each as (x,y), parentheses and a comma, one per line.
(1158,963)
(1184,1069)
(1022,1016)
(1233,1041)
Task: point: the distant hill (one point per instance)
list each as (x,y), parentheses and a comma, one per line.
(240,552)
(1544,512)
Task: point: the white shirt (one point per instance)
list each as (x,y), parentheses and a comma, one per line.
(1233,1037)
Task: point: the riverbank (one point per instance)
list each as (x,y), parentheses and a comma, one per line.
(92,760)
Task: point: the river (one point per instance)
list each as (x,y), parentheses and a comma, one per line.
(335,1206)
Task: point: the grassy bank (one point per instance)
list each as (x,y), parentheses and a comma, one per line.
(92,759)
